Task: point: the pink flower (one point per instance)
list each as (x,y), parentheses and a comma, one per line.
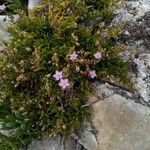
(73,56)
(136,61)
(64,83)
(58,75)
(2,7)
(98,55)
(92,74)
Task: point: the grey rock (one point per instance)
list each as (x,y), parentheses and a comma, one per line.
(84,139)
(138,41)
(55,143)
(4,36)
(121,124)
(131,10)
(87,137)
(46,144)
(143,79)
(32,3)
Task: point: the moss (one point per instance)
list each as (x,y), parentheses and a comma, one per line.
(44,42)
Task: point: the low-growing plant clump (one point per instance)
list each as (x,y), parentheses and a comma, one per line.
(47,68)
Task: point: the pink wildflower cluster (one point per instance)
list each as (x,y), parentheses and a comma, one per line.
(92,73)
(73,56)
(63,83)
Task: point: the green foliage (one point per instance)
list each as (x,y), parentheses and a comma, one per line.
(64,36)
(7,145)
(14,5)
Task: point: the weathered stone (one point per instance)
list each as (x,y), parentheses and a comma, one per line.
(131,10)
(5,22)
(32,3)
(87,137)
(84,139)
(3,34)
(121,124)
(143,77)
(138,40)
(46,144)
(55,143)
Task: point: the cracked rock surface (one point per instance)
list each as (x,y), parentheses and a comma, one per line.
(121,123)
